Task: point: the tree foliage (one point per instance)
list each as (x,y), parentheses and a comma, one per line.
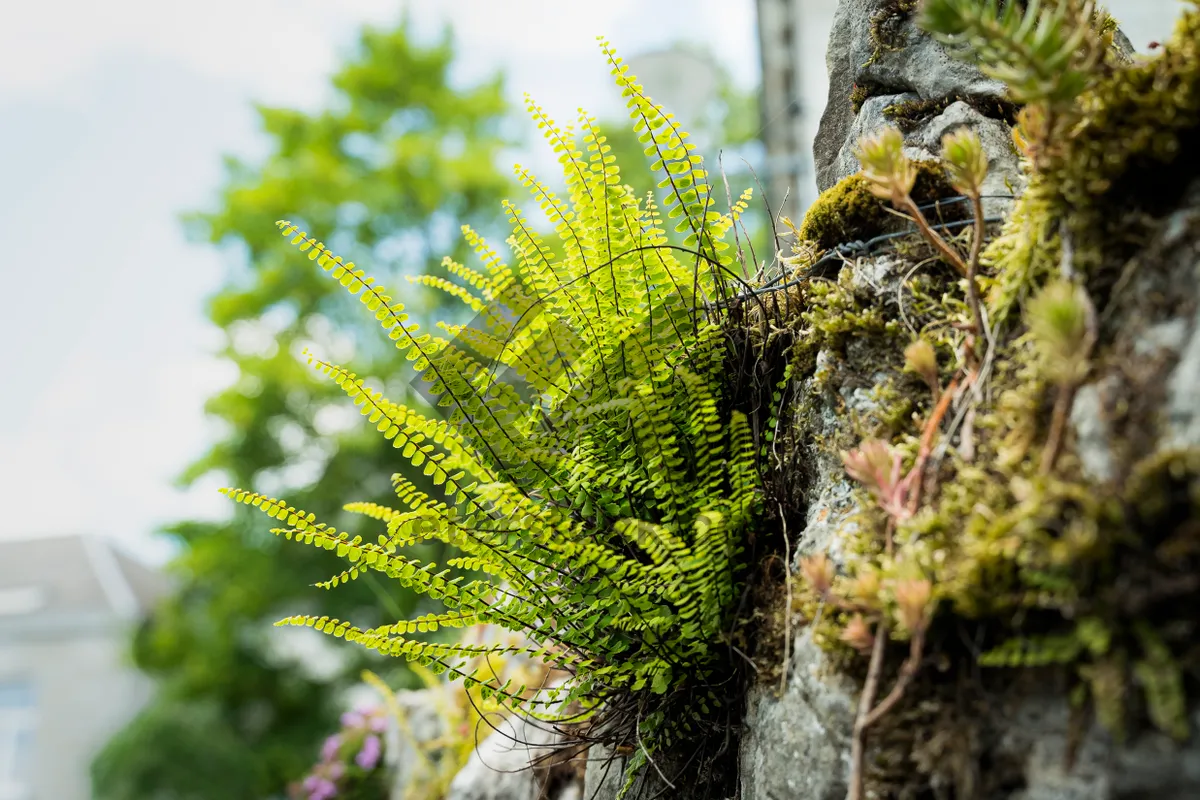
(397,153)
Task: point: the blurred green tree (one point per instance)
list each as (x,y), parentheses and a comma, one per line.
(386,173)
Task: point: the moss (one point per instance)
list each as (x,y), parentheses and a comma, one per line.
(1137,138)
(893,406)
(887,25)
(848,212)
(1028,249)
(913,112)
(860,92)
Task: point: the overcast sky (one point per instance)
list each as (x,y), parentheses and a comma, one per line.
(113,118)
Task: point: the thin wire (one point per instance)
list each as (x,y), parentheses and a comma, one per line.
(860,247)
(853,248)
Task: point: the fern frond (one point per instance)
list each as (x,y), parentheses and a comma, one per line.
(587,469)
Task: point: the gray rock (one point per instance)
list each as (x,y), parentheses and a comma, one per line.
(1169,336)
(1004,169)
(826,519)
(1183,399)
(797,745)
(919,69)
(605,778)
(870,118)
(923,142)
(1148,766)
(1093,434)
(419,724)
(838,115)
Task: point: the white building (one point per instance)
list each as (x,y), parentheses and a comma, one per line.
(66,681)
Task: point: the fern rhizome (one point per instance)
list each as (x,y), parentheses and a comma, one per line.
(585,459)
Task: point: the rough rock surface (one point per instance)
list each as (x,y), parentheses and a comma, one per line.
(606,775)
(796,743)
(1156,319)
(918,68)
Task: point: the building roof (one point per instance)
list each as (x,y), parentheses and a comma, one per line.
(73,575)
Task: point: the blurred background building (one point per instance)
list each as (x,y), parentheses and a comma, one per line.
(67,606)
(792,35)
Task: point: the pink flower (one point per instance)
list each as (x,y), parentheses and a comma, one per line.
(368,757)
(352,719)
(321,788)
(321,785)
(329,750)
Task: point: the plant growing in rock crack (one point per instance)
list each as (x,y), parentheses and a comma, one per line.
(588,467)
(879,469)
(1062,323)
(890,175)
(975,510)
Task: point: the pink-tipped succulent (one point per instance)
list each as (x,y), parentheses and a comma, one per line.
(912,604)
(858,634)
(877,467)
(818,572)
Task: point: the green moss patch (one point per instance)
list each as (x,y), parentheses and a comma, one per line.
(909,114)
(1137,140)
(848,212)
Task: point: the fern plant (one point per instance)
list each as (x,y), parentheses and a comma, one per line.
(585,465)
